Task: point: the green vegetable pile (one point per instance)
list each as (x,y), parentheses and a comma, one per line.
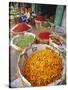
(24,41)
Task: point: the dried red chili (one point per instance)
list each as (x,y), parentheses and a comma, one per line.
(40,18)
(21,27)
(44,35)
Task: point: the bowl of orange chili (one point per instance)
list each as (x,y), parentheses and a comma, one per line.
(32,61)
(20,28)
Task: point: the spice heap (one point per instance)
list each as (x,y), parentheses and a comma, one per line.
(21,27)
(44,35)
(43,67)
(24,41)
(40,18)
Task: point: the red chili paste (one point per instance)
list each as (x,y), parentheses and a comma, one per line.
(21,27)
(44,35)
(40,18)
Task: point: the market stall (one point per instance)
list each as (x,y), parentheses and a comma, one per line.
(33,29)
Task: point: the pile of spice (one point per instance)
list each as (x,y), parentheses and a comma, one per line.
(21,27)
(40,18)
(44,35)
(24,41)
(43,67)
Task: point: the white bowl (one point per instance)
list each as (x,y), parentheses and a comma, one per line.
(29,52)
(15,38)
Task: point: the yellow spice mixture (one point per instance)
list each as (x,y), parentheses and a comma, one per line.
(43,67)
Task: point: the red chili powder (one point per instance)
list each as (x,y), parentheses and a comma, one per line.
(40,18)
(44,35)
(21,27)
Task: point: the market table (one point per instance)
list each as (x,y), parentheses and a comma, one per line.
(14,77)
